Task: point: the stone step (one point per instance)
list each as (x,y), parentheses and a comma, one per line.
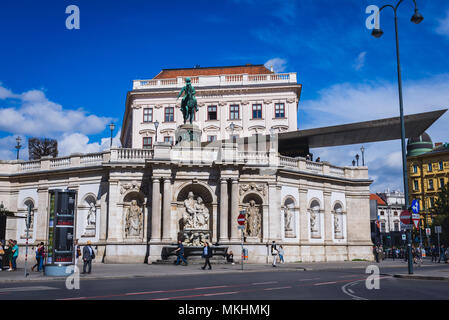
(193,260)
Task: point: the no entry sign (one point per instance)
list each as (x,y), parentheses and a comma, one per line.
(406,217)
(241,219)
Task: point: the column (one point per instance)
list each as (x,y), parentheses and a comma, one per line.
(274,207)
(223,210)
(167,210)
(328,230)
(155,212)
(102,215)
(235,234)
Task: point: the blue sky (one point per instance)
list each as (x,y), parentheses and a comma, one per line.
(75,81)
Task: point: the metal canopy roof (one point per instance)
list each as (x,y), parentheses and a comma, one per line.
(359,132)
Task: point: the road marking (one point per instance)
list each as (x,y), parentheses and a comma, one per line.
(216,287)
(259,283)
(219,293)
(20,289)
(351,293)
(324,283)
(309,279)
(350,276)
(278,288)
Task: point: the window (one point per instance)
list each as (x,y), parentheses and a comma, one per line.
(431,202)
(234,112)
(382,227)
(168,139)
(234,137)
(382,213)
(211,138)
(396,226)
(415,185)
(212,113)
(257,111)
(148,115)
(441,183)
(279,110)
(430,184)
(440,165)
(169,114)
(429,166)
(147,142)
(395,213)
(415,168)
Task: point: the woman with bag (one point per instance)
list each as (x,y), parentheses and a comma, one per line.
(37,258)
(2,253)
(274,252)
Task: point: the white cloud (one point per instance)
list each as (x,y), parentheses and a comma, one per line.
(32,114)
(443,25)
(278,64)
(79,143)
(360,61)
(347,103)
(36,115)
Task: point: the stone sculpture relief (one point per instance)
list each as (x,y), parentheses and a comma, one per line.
(196,214)
(253,220)
(133,226)
(91,221)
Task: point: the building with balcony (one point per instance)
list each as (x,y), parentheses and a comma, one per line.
(428,172)
(133,203)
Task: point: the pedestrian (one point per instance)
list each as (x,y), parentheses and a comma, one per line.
(77,252)
(2,253)
(230,257)
(393,253)
(442,254)
(433,253)
(15,255)
(38,262)
(42,257)
(274,252)
(88,256)
(207,254)
(180,253)
(8,254)
(281,254)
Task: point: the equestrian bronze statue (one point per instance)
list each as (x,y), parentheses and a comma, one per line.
(188,104)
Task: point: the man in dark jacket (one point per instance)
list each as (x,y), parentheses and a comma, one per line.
(88,255)
(180,253)
(207,254)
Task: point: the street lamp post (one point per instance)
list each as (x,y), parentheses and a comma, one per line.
(156,125)
(362,149)
(377,33)
(18,146)
(112,127)
(357,158)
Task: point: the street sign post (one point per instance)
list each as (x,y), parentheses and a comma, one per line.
(428,232)
(241,221)
(415,206)
(438,231)
(404,237)
(415,219)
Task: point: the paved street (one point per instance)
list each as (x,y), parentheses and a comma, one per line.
(285,282)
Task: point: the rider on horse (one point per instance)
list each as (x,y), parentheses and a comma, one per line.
(188,104)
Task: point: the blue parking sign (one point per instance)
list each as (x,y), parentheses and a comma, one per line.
(415,206)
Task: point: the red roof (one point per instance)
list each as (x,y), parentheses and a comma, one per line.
(212,71)
(380,202)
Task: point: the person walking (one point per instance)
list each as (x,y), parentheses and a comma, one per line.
(15,255)
(77,252)
(42,257)
(281,254)
(207,254)
(180,253)
(2,253)
(442,254)
(8,254)
(274,253)
(433,252)
(88,255)
(38,258)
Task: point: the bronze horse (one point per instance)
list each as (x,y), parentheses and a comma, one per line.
(188,105)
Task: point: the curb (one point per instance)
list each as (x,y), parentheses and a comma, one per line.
(146,275)
(420,277)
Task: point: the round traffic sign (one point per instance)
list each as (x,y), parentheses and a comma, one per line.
(241,219)
(406,217)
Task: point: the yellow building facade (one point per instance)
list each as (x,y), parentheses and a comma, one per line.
(428,172)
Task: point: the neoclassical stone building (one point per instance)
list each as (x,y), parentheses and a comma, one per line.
(134,201)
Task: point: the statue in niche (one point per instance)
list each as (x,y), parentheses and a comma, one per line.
(314,222)
(91,215)
(288,216)
(196,214)
(133,225)
(252,223)
(337,223)
(91,221)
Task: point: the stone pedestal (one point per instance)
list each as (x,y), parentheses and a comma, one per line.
(188,135)
(89,232)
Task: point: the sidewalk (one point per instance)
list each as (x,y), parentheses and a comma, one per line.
(113,271)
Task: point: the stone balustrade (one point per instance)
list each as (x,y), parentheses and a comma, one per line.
(163,152)
(218,80)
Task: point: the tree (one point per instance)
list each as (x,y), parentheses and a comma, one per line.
(440,212)
(41,147)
